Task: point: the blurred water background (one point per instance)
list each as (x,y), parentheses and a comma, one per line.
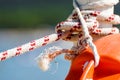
(24,20)
(24,67)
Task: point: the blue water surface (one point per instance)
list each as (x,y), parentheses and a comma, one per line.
(24,67)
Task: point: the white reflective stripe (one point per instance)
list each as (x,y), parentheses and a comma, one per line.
(88,79)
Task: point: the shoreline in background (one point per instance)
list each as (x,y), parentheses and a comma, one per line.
(31,14)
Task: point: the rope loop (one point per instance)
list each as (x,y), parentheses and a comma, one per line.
(87,22)
(92,20)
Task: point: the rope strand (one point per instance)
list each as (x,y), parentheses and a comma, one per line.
(81,27)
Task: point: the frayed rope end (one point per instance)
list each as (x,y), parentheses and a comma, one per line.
(44,60)
(43,63)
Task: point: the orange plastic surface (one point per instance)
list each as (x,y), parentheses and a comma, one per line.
(109,67)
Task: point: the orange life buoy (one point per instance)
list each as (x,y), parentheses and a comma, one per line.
(109,67)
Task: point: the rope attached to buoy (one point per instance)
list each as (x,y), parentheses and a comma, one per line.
(81,27)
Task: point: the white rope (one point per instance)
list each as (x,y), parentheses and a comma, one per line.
(28,47)
(95,4)
(86,35)
(92,19)
(96,18)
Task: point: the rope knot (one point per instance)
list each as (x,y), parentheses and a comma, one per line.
(88,22)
